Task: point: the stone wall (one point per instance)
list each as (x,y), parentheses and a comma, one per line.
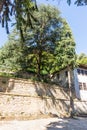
(20,97)
(22,106)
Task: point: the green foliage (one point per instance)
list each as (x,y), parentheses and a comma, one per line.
(41,40)
(21,9)
(18,9)
(11,54)
(65,49)
(48,47)
(4,74)
(82,59)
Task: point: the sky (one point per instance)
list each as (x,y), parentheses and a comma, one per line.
(76,18)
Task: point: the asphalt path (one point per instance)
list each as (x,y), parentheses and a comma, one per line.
(46,124)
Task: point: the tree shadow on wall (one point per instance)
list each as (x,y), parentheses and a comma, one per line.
(44,90)
(49,94)
(81,109)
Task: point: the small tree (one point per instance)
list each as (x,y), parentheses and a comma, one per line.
(82,59)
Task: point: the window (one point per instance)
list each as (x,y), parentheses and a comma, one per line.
(82,86)
(85,72)
(82,72)
(78,71)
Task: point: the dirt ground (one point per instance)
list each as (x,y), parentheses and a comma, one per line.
(46,124)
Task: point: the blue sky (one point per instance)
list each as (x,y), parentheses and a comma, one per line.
(76,18)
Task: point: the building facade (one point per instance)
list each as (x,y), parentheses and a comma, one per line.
(80,76)
(79,80)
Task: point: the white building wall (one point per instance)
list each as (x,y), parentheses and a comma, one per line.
(82,78)
(83,95)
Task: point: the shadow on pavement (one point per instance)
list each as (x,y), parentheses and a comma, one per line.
(68,124)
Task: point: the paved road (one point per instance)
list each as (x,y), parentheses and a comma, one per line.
(45,124)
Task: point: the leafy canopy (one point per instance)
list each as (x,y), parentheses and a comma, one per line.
(82,59)
(21,9)
(48,47)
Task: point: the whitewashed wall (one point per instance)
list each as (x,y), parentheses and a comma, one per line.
(83,79)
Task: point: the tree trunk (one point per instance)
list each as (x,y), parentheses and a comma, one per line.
(71,109)
(39,65)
